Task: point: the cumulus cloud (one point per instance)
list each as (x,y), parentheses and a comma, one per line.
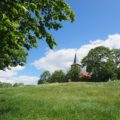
(11,76)
(62,59)
(55,60)
(11,72)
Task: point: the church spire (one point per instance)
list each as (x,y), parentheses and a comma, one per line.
(75,59)
(75,63)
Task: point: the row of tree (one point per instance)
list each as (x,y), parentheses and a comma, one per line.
(59,76)
(101,62)
(7,85)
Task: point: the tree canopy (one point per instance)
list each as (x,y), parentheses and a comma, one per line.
(73,75)
(23,22)
(57,76)
(44,77)
(102,63)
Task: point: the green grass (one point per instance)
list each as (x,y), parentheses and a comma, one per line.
(68,101)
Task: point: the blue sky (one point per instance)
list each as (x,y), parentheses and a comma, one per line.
(96,20)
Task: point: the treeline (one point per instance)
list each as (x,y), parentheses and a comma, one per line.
(59,76)
(102,63)
(7,85)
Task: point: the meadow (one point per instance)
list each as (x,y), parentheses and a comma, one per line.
(65,101)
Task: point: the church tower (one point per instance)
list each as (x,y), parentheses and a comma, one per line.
(75,63)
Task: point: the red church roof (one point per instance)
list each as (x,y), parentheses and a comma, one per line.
(85,74)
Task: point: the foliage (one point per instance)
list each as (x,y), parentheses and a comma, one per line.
(45,76)
(60,76)
(100,62)
(23,22)
(68,101)
(5,85)
(73,75)
(116,59)
(118,73)
(57,76)
(105,72)
(18,84)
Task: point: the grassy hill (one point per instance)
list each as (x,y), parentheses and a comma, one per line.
(68,101)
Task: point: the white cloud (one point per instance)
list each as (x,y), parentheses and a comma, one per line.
(10,73)
(11,76)
(56,60)
(62,59)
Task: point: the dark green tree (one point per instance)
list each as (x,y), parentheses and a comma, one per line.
(99,61)
(57,76)
(107,71)
(118,73)
(23,22)
(73,75)
(44,77)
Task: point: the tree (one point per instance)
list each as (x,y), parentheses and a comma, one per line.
(44,77)
(99,61)
(116,59)
(57,76)
(118,73)
(73,75)
(107,71)
(23,22)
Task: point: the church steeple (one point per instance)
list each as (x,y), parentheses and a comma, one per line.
(75,63)
(75,59)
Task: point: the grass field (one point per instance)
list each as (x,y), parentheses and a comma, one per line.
(68,101)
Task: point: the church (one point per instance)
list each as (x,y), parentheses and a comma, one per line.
(77,65)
